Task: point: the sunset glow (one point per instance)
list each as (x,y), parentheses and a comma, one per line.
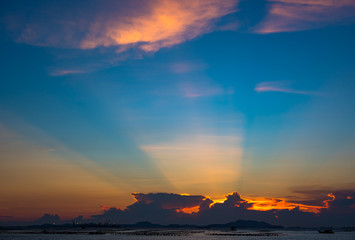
(177,112)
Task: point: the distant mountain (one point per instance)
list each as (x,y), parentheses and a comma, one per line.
(244,224)
(145,224)
(148,225)
(236,224)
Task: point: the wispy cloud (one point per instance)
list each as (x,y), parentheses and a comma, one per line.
(100,34)
(167,23)
(296,15)
(64,72)
(278,86)
(148,25)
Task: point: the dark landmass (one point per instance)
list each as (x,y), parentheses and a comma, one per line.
(244,224)
(236,228)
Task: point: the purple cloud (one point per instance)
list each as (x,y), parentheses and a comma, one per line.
(298,15)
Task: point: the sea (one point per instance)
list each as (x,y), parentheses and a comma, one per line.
(180,235)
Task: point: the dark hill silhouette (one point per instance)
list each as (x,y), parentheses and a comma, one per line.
(244,224)
(148,225)
(235,224)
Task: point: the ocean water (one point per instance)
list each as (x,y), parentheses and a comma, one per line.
(281,235)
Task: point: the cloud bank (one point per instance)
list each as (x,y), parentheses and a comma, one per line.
(319,208)
(336,209)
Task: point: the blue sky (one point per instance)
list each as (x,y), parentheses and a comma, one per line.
(208,99)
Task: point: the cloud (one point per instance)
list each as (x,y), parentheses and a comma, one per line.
(169,200)
(298,15)
(234,200)
(148,25)
(64,72)
(278,86)
(336,210)
(166,24)
(164,208)
(333,200)
(154,207)
(101,34)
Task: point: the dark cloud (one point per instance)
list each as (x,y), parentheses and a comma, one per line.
(169,200)
(336,209)
(336,200)
(156,207)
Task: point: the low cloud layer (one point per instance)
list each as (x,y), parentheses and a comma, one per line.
(334,209)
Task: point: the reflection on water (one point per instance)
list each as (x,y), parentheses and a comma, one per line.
(182,234)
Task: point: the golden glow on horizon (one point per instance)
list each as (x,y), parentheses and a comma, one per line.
(258,204)
(206,163)
(39,180)
(44,167)
(266,204)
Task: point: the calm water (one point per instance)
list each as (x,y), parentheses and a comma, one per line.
(289,235)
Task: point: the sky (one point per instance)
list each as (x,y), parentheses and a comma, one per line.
(189,109)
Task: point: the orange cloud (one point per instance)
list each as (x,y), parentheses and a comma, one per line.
(189,210)
(233,200)
(266,204)
(145,25)
(296,15)
(167,23)
(106,208)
